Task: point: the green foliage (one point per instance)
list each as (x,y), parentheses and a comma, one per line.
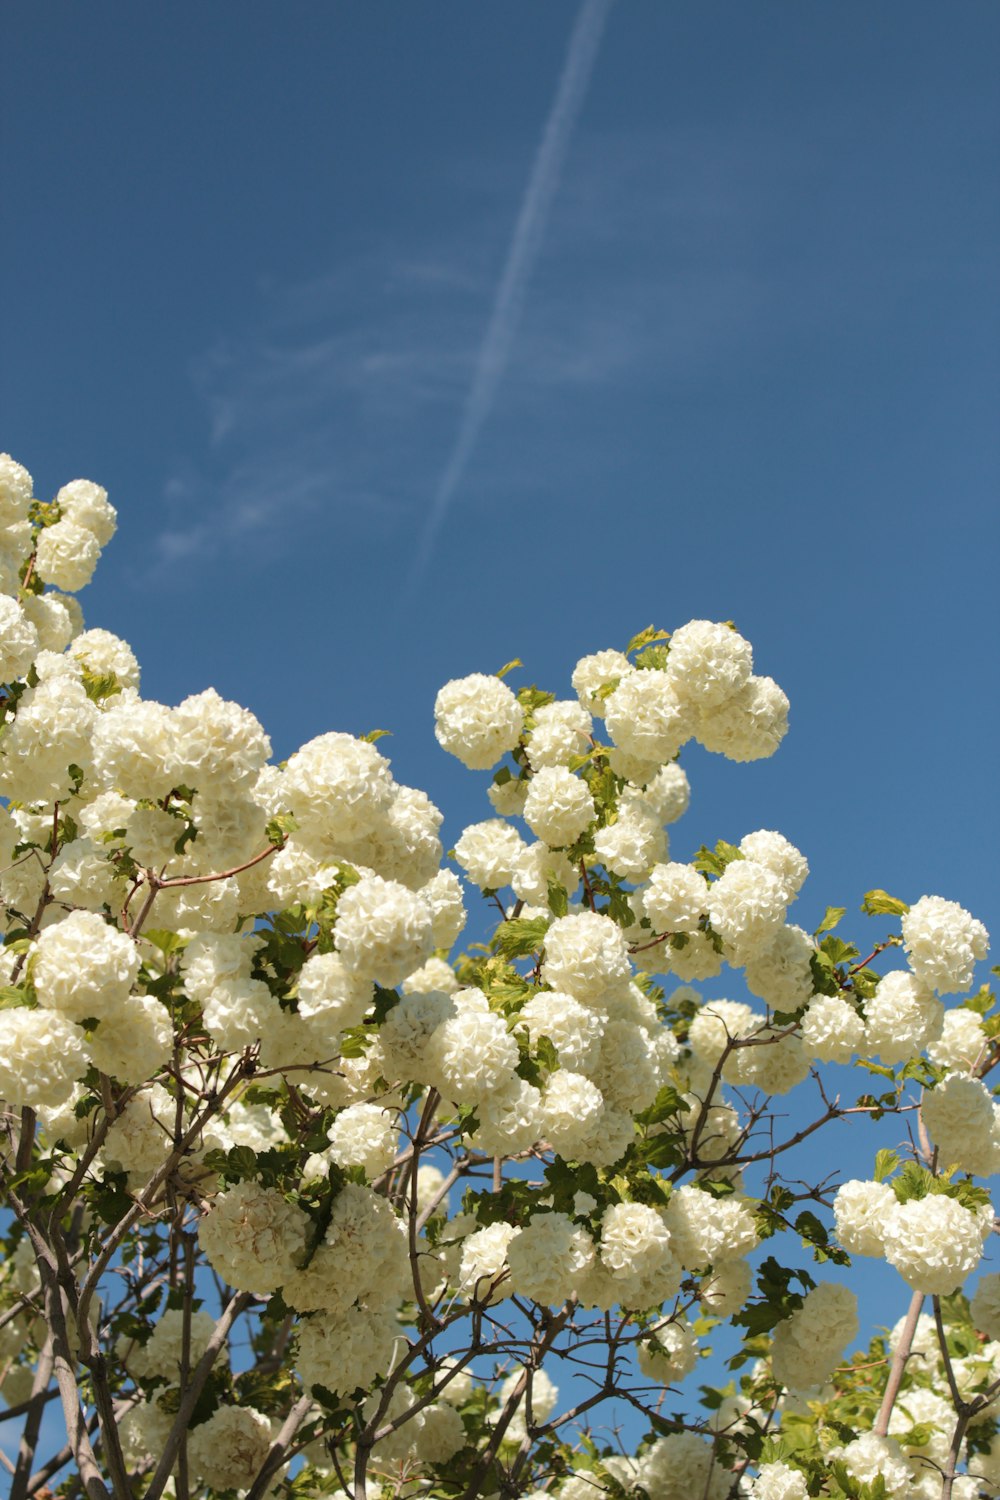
(880,903)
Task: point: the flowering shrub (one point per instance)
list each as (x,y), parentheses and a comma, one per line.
(303,1200)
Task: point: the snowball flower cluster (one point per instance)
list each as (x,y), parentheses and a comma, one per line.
(943,943)
(477,719)
(746,907)
(933,1242)
(808,1345)
(383,931)
(252,1237)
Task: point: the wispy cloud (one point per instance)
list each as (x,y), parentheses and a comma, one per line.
(525,244)
(661,270)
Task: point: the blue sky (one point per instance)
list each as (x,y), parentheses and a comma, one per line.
(250,257)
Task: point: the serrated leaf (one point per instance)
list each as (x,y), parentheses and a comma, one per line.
(521,937)
(881,904)
(886,1162)
(646,638)
(557,897)
(831,917)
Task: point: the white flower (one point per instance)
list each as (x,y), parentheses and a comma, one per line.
(832,1030)
(586,957)
(51,618)
(591,673)
(103,653)
(696,958)
(217,745)
(441,1433)
(960,1115)
(746,907)
(705,1229)
(338,788)
(682,1466)
(944,943)
(985,1306)
(558,807)
(810,1343)
(781,972)
(779,856)
(66,556)
(363,1135)
(670,1354)
(53,731)
(483,1270)
(477,719)
(252,1237)
(962,1040)
(346,1351)
(561,731)
(572,1109)
(708,663)
(83,967)
(471,1053)
(489,852)
(547,1257)
(135,1041)
(383,931)
(574,1030)
(362,1257)
(161,1354)
(727,1289)
(872,1457)
(668,793)
(646,718)
(636,1242)
(748,726)
(443,895)
(435,974)
(18,640)
(407,1030)
(508,796)
(16,488)
(675,898)
(41,1057)
(860,1212)
(536,866)
(776,1481)
(933,1242)
(227,1450)
(133,748)
(544,1395)
(902,1017)
(632,844)
(774,1062)
(716,1025)
(328,988)
(86,504)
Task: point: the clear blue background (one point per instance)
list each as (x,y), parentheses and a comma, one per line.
(249,254)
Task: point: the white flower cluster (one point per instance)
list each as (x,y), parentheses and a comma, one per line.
(808,1345)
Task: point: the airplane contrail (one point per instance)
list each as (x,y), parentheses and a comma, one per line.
(524,247)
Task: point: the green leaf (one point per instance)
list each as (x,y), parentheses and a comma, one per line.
(881,904)
(167,942)
(646,638)
(913,1182)
(886,1163)
(13,997)
(375,734)
(558,898)
(509,667)
(521,937)
(831,917)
